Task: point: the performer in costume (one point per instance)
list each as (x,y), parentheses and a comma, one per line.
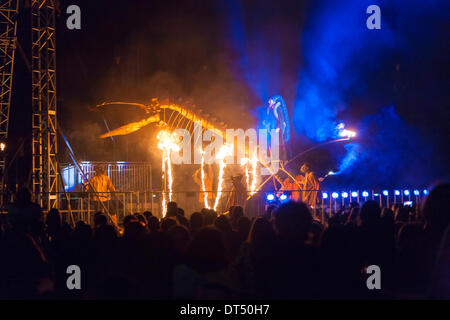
(277,118)
(238,194)
(310,185)
(102,185)
(292,186)
(305,187)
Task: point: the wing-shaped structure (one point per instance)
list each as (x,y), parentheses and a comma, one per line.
(172,115)
(132,127)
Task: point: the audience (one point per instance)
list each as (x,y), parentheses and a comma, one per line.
(282,254)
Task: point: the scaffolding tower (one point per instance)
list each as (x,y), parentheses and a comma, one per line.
(44,125)
(8,37)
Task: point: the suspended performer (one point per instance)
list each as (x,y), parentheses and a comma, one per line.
(277,118)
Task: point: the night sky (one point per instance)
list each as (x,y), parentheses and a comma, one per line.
(228,57)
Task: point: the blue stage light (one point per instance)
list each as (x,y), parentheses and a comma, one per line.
(324,195)
(335,195)
(425,192)
(385,193)
(397,193)
(376,194)
(354,194)
(270,197)
(416,192)
(365,194)
(344,195)
(406,192)
(283,197)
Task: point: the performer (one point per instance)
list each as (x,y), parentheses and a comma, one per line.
(293,186)
(277,118)
(238,194)
(305,187)
(208,181)
(102,186)
(310,185)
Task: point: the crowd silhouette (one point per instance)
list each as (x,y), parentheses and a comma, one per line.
(284,253)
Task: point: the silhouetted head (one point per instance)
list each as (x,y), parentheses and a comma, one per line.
(180,212)
(243,226)
(261,232)
(196,221)
(167,223)
(134,231)
(206,252)
(353,215)
(82,233)
(293,221)
(435,208)
(128,219)
(141,219)
(387,215)
(223,224)
(402,214)
(147,215)
(53,219)
(370,213)
(235,213)
(106,234)
(100,220)
(180,236)
(172,209)
(209,218)
(153,224)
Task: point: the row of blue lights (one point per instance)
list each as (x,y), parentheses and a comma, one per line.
(270,197)
(365,194)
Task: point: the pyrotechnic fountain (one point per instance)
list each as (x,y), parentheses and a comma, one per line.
(205,195)
(167,143)
(173,116)
(221,155)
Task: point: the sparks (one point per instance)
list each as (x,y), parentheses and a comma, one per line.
(205,195)
(347,133)
(167,142)
(221,155)
(344,133)
(254,174)
(244,162)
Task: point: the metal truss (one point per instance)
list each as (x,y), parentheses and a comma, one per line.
(8,37)
(44,122)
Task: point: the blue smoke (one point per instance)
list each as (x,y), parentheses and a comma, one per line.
(353,150)
(339,52)
(342,57)
(390,152)
(344,72)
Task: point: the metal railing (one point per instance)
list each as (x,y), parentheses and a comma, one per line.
(81,206)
